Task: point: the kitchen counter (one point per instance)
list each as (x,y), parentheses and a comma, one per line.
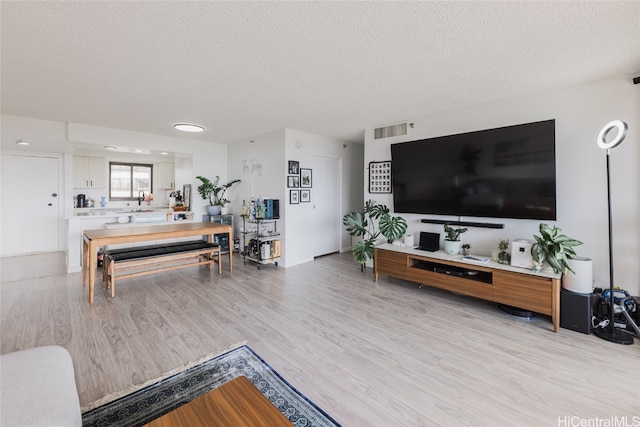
(81,213)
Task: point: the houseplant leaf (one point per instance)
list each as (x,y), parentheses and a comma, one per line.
(392,227)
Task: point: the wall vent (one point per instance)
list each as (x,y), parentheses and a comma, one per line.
(389,131)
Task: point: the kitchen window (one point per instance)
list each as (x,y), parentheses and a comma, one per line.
(128,181)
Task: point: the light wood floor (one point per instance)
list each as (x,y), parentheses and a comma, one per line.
(370,354)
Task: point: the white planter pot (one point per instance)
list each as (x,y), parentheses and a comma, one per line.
(582,281)
(452,247)
(213,210)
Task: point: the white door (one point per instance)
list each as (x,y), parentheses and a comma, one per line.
(29,201)
(325,196)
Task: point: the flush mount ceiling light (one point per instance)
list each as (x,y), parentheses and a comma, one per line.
(110,147)
(22,142)
(188,127)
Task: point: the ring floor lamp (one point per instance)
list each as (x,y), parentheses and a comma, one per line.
(609,332)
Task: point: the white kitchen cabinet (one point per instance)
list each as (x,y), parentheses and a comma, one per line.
(88,172)
(166,175)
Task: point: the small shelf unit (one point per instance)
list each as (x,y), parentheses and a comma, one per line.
(260,241)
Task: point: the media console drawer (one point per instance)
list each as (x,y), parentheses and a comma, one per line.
(523,291)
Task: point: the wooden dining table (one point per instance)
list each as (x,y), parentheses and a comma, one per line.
(92,240)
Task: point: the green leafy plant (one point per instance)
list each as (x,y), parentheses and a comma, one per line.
(453,234)
(554,248)
(213,191)
(363,224)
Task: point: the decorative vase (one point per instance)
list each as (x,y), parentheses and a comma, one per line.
(103,201)
(214,209)
(452,247)
(504,257)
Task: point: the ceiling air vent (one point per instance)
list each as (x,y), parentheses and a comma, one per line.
(389,131)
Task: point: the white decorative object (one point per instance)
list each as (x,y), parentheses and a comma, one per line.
(408,240)
(582,281)
(521,253)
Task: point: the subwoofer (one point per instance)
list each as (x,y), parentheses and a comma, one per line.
(575,311)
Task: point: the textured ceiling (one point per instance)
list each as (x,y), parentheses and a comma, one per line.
(331,68)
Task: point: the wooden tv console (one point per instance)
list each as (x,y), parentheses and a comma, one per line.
(513,286)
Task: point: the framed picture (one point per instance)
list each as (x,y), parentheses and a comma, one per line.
(305,196)
(305,178)
(293,181)
(294,167)
(294,197)
(380,177)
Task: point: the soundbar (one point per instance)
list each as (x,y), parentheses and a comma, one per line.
(463,223)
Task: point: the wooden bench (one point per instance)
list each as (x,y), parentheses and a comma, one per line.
(142,260)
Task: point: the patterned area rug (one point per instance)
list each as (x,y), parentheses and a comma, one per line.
(158,398)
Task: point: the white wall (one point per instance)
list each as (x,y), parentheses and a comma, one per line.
(300,216)
(580,112)
(272,151)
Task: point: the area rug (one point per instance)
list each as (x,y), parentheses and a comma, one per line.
(157,398)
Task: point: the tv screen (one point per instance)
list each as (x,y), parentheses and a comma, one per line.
(506,172)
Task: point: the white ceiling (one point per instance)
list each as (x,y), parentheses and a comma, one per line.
(242,69)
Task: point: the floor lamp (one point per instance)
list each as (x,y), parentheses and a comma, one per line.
(609,332)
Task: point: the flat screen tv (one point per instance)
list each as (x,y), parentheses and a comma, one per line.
(506,172)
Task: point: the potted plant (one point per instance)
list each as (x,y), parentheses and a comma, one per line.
(363,224)
(504,257)
(452,239)
(553,248)
(214,192)
(466,248)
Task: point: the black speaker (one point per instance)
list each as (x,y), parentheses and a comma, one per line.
(575,311)
(636,80)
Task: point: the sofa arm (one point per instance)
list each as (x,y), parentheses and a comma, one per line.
(38,388)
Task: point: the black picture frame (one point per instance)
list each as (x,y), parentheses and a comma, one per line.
(380,177)
(305,178)
(305,196)
(293,181)
(294,167)
(294,197)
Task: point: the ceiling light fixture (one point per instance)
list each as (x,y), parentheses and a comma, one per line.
(187,127)
(110,147)
(164,153)
(22,142)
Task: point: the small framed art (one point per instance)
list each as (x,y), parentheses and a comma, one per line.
(305,196)
(305,178)
(294,197)
(294,167)
(293,181)
(380,177)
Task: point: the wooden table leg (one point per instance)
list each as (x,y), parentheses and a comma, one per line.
(93,262)
(85,253)
(231,250)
